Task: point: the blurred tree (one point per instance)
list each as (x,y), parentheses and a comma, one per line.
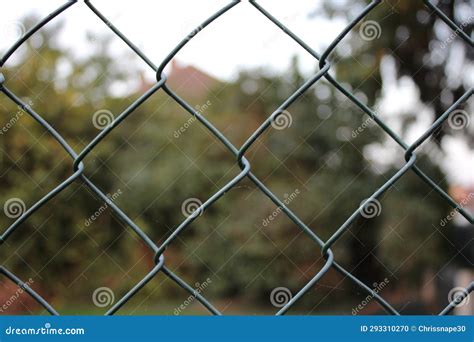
(158,157)
(422,46)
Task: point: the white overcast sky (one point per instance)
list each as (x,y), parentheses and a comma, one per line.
(241,38)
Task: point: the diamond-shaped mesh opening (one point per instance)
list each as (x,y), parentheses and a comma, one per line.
(327,263)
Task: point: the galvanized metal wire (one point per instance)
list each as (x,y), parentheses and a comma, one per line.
(79,168)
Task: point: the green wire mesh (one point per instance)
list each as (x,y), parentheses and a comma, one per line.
(239,153)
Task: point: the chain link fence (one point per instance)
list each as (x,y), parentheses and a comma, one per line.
(80,175)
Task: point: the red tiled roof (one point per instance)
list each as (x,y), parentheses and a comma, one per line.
(190,81)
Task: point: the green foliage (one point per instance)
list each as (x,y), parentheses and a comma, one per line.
(154,170)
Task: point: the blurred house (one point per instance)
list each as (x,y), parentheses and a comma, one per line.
(187,81)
